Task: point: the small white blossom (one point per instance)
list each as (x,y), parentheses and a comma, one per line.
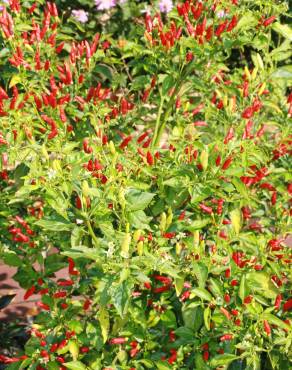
(111,249)
(51,173)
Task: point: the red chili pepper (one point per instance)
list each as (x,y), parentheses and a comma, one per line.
(227,298)
(206,355)
(268,21)
(173,356)
(60,47)
(274,198)
(182,216)
(278,301)
(225,313)
(220,207)
(247,113)
(60,359)
(226,337)
(161,289)
(60,295)
(65,283)
(248,299)
(54,347)
(142,137)
(149,158)
(227,163)
(232,23)
(229,136)
(287,305)
(44,354)
(218,160)
(125,142)
(43,306)
(63,343)
(169,235)
(86,304)
(267,327)
(267,186)
(234,312)
(205,208)
(234,282)
(220,29)
(29,292)
(120,340)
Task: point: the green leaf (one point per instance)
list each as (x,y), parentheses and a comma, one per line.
(121,297)
(204,158)
(201,272)
(215,287)
(207,317)
(224,359)
(168,319)
(283,29)
(242,288)
(162,365)
(75,365)
(202,293)
(198,224)
(103,318)
(139,220)
(83,252)
(235,217)
(54,262)
(260,283)
(54,225)
(137,199)
(103,70)
(14,81)
(284,73)
(179,284)
(167,84)
(200,192)
(193,316)
(245,22)
(11,259)
(185,333)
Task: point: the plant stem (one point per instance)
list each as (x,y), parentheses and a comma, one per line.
(91,232)
(162,118)
(153,144)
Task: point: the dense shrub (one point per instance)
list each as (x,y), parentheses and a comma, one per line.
(156,170)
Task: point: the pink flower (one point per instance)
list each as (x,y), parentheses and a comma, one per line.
(80,15)
(105,4)
(165,6)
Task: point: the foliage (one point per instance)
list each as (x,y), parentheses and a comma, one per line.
(156,171)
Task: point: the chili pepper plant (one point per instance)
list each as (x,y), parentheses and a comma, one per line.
(155,171)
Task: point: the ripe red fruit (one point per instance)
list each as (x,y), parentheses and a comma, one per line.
(227,298)
(206,355)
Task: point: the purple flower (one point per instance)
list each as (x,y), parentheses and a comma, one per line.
(80,15)
(5,2)
(165,6)
(105,4)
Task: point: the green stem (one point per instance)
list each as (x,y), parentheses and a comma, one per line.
(91,232)
(153,144)
(162,118)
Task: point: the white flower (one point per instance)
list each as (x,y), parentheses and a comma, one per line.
(51,174)
(111,249)
(80,15)
(221,14)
